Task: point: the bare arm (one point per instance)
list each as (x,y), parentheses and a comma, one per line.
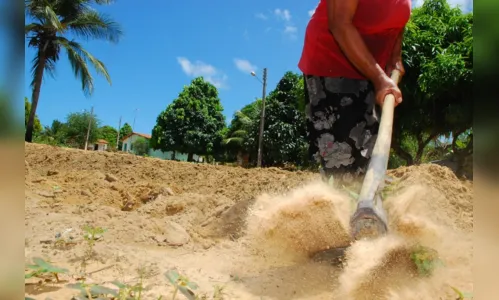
(340,15)
(397,49)
(395,62)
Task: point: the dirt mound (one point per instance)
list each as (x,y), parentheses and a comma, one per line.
(447,198)
(162,214)
(428,208)
(198,194)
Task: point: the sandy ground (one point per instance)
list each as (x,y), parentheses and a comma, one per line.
(246,230)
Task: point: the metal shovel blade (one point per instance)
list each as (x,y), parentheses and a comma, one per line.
(332,256)
(369,220)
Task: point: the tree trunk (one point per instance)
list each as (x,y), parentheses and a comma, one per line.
(173,155)
(403,154)
(190,156)
(461,155)
(28,136)
(421,146)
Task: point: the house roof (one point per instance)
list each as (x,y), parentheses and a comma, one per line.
(101,141)
(147,136)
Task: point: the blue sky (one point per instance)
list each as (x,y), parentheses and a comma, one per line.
(166,44)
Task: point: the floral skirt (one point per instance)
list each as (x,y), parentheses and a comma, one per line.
(342,124)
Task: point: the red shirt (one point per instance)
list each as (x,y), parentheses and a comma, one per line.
(378,21)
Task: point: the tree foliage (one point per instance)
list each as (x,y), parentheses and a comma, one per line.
(284,129)
(437,88)
(108,133)
(52,23)
(53,135)
(140,146)
(125,130)
(237,133)
(193,123)
(37,126)
(76,127)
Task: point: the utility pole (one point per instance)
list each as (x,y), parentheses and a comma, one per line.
(118,138)
(88,129)
(134,117)
(262,119)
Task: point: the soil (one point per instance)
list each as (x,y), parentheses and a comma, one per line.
(250,231)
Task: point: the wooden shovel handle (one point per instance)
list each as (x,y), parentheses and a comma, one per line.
(376,171)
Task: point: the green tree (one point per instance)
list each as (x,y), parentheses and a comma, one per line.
(54,134)
(284,129)
(76,129)
(53,22)
(37,126)
(140,146)
(193,123)
(236,135)
(125,130)
(438,86)
(108,133)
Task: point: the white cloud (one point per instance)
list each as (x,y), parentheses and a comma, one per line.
(290,29)
(312,11)
(199,68)
(261,16)
(283,14)
(244,65)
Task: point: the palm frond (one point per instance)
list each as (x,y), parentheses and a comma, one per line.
(49,64)
(79,66)
(237,141)
(93,24)
(35,62)
(244,119)
(103,2)
(239,133)
(32,27)
(79,59)
(43,12)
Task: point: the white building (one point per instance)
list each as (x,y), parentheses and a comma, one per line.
(100,145)
(131,138)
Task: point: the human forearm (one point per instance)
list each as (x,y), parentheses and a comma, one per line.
(354,48)
(397,48)
(395,62)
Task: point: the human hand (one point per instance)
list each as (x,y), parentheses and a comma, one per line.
(395,64)
(385,86)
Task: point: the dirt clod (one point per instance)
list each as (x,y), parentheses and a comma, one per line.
(111,178)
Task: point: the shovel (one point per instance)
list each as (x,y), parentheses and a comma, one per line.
(369,219)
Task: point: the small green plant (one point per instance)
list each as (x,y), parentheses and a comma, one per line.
(62,241)
(42,267)
(128,292)
(219,292)
(92,234)
(235,278)
(389,189)
(93,291)
(425,259)
(461,295)
(182,284)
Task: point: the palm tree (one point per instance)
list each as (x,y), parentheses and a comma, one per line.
(54,20)
(238,134)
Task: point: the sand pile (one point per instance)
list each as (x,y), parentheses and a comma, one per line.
(250,230)
(426,218)
(308,220)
